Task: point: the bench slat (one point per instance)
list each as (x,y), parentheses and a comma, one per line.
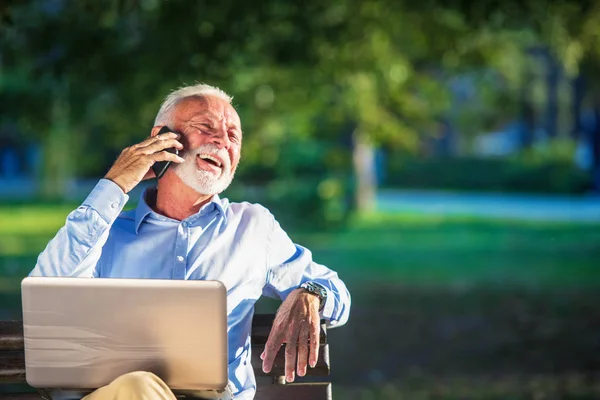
(11,332)
(12,357)
(261,327)
(12,366)
(301,391)
(264,391)
(21,396)
(11,335)
(321,369)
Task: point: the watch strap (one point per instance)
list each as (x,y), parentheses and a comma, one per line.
(317,290)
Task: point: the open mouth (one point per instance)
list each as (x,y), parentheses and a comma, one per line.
(207,161)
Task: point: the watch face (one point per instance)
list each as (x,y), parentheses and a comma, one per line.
(316,289)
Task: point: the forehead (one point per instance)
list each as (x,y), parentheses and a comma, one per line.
(199,107)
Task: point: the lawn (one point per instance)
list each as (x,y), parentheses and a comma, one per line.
(443,307)
(398,249)
(424,251)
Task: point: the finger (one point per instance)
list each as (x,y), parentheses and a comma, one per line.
(166,156)
(160,130)
(315,332)
(303,348)
(271,349)
(167,135)
(152,139)
(159,145)
(290,356)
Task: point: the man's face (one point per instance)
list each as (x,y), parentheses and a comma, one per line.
(212,141)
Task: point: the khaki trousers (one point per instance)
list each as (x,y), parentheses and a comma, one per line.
(134,386)
(146,386)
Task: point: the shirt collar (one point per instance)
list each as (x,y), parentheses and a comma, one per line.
(143,209)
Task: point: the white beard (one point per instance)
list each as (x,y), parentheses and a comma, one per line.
(204,182)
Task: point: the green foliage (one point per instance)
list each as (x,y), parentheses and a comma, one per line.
(312,71)
(554,151)
(373,63)
(304,183)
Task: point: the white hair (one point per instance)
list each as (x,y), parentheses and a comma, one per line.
(164,113)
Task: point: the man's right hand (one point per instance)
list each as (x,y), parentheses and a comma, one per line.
(135,162)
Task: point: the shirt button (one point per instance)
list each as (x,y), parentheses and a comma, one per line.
(180,258)
(114,205)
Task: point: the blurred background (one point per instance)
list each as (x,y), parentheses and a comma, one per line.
(442,156)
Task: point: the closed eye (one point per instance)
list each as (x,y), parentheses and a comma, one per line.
(233,137)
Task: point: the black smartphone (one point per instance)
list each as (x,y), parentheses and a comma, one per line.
(160,167)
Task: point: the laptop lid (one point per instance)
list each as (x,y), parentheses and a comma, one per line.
(83,333)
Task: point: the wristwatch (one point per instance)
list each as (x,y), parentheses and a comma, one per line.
(317,290)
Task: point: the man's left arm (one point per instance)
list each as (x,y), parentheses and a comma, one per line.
(290,266)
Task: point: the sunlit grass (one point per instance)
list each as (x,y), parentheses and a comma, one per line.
(399,248)
(434,250)
(402,271)
(32,219)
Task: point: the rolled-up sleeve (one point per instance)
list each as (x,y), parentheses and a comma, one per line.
(76,248)
(289,265)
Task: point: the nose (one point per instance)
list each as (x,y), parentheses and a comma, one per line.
(220,138)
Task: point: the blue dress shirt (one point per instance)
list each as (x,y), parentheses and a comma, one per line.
(239,244)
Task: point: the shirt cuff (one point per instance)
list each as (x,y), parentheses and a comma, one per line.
(327,311)
(108,199)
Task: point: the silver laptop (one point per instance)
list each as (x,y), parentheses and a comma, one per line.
(84,332)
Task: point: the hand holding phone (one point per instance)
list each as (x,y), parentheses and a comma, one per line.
(160,167)
(145,160)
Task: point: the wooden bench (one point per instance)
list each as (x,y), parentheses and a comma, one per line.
(315,385)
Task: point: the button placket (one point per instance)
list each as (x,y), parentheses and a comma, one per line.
(180,251)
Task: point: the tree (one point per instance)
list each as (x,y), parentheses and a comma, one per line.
(376,71)
(569,29)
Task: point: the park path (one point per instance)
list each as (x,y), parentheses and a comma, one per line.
(500,205)
(515,206)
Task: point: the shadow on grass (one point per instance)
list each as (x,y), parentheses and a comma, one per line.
(442,309)
(478,343)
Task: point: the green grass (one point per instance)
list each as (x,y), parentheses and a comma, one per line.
(422,250)
(383,248)
(559,386)
(443,307)
(33,219)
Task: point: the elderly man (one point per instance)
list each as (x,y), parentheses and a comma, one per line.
(182,229)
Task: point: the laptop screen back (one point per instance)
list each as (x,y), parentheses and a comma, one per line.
(85,332)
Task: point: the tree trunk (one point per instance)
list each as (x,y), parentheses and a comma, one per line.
(578,90)
(58,151)
(364,171)
(552,105)
(527,124)
(595,146)
(446,144)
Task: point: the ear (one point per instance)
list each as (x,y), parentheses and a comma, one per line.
(155,130)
